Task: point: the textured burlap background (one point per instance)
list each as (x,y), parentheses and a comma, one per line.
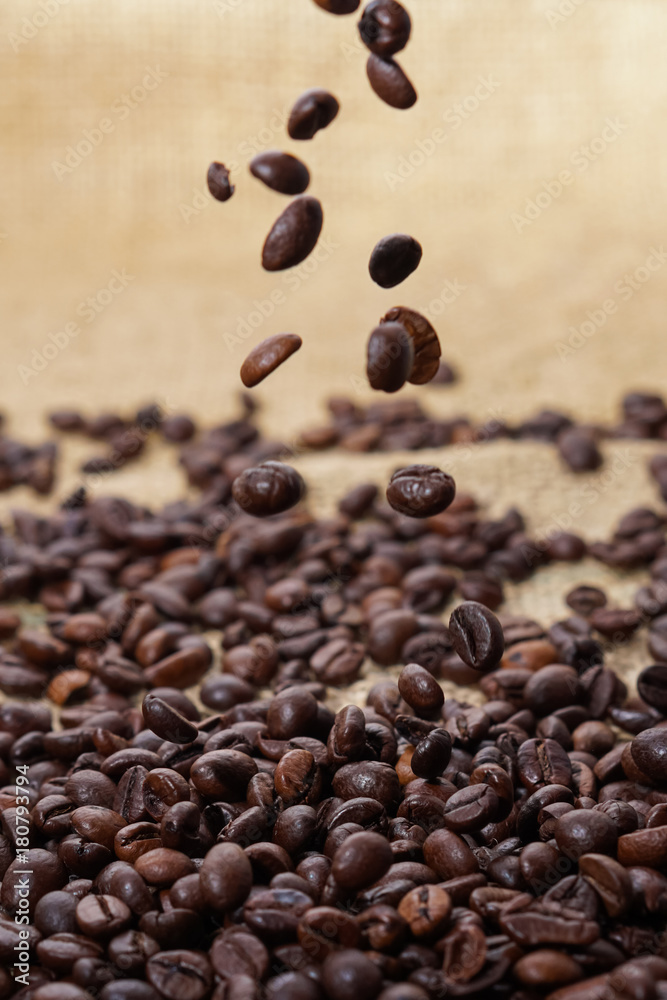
(511,96)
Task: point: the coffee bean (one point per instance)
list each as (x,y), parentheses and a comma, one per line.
(543,762)
(421,691)
(225,877)
(547,966)
(180,975)
(644,847)
(349,975)
(609,879)
(268,356)
(424,339)
(652,686)
(361,860)
(477,636)
(102,916)
(420,491)
(584,831)
(280,171)
(448,855)
(385,27)
(218,182)
(393,259)
(471,808)
(269,488)
(390,82)
(649,752)
(293,235)
(578,449)
(166,721)
(431,755)
(314,110)
(390,357)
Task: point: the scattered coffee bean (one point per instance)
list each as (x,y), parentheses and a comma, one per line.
(385,27)
(425,343)
(218,182)
(390,83)
(314,110)
(268,356)
(280,171)
(420,491)
(477,636)
(293,235)
(268,489)
(393,259)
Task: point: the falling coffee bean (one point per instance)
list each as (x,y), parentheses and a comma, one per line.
(477,635)
(269,488)
(390,83)
(293,235)
(218,182)
(393,259)
(420,491)
(314,110)
(268,356)
(280,171)
(424,341)
(338,6)
(389,357)
(385,27)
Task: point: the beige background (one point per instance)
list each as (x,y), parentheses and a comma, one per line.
(556,72)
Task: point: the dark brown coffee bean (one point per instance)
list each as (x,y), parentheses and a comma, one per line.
(421,691)
(543,762)
(432,754)
(350,975)
(314,110)
(585,831)
(218,182)
(448,855)
(269,488)
(225,877)
(420,491)
(390,83)
(166,721)
(393,259)
(102,916)
(367,779)
(97,824)
(293,235)
(389,357)
(385,27)
(477,636)
(649,752)
(238,953)
(585,599)
(547,966)
(268,356)
(55,913)
(652,686)
(180,975)
(644,847)
(471,808)
(424,339)
(552,688)
(609,879)
(280,171)
(361,860)
(163,866)
(298,778)
(578,449)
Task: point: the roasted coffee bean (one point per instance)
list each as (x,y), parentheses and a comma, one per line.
(55,913)
(314,110)
(280,171)
(609,879)
(393,259)
(390,83)
(424,339)
(547,966)
(649,752)
(166,721)
(102,916)
(448,855)
(543,762)
(269,488)
(385,27)
(652,686)
(218,182)
(293,235)
(471,808)
(349,975)
(338,6)
(421,691)
(644,847)
(577,447)
(426,909)
(431,755)
(180,974)
(420,491)
(361,860)
(268,356)
(585,831)
(477,636)
(225,877)
(389,357)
